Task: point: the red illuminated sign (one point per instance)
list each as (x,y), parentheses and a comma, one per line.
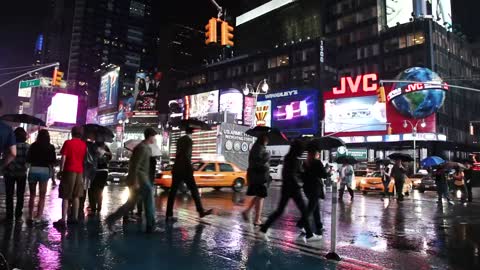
(365,83)
(412,87)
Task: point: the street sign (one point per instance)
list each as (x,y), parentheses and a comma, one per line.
(29,83)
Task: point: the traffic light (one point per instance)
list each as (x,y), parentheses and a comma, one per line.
(227,35)
(381,94)
(57,77)
(211,31)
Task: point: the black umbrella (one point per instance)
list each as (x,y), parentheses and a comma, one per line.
(325,143)
(195,124)
(346,159)
(452,165)
(385,162)
(276,137)
(101,133)
(401,156)
(258,131)
(23,118)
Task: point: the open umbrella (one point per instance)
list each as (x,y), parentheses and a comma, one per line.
(346,159)
(384,162)
(325,143)
(194,123)
(101,133)
(432,161)
(401,156)
(258,131)
(452,165)
(275,136)
(131,144)
(23,118)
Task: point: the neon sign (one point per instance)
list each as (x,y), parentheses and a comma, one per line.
(413,87)
(367,81)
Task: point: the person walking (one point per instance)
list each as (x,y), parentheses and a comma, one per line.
(71,176)
(346,179)
(138,178)
(8,148)
(89,171)
(442,187)
(468,173)
(386,172)
(183,173)
(258,174)
(95,192)
(291,189)
(459,183)
(41,157)
(399,174)
(313,174)
(16,174)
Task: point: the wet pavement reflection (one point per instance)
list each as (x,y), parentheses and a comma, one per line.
(417,233)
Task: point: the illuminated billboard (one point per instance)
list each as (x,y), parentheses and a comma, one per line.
(248,110)
(63,109)
(175,112)
(293,111)
(92,116)
(355,114)
(200,106)
(231,101)
(108,94)
(398,11)
(147,87)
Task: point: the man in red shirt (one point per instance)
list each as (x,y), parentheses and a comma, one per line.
(71,175)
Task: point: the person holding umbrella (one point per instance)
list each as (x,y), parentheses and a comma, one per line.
(468,179)
(346,179)
(183,173)
(442,186)
(291,189)
(399,175)
(258,174)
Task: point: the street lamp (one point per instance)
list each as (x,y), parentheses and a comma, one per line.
(414,127)
(261,89)
(123,122)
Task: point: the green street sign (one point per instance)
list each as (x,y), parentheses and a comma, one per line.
(29,83)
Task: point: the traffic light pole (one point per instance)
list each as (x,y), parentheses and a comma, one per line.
(30,72)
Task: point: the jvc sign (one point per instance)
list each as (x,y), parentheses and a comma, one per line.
(358,84)
(412,87)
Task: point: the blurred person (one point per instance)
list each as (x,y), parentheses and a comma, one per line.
(152,173)
(182,172)
(398,173)
(442,187)
(41,157)
(95,192)
(291,189)
(258,176)
(468,172)
(71,176)
(8,148)
(459,183)
(386,172)
(138,178)
(89,171)
(346,179)
(15,173)
(313,174)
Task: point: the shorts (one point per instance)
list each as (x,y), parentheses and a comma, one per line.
(38,174)
(71,186)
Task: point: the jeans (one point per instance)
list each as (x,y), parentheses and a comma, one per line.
(342,190)
(145,193)
(9,190)
(399,187)
(288,194)
(313,208)
(192,186)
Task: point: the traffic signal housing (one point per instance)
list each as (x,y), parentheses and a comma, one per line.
(381,94)
(57,77)
(211,31)
(227,35)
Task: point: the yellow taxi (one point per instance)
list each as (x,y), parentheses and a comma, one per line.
(211,174)
(373,182)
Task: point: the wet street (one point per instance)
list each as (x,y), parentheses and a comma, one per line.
(372,234)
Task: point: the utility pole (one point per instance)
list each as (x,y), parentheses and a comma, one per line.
(30,72)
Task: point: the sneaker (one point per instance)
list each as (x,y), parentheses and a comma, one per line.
(60,224)
(303,231)
(314,237)
(206,213)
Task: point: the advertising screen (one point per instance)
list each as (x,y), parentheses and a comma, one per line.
(175,112)
(296,112)
(355,114)
(202,105)
(248,111)
(108,94)
(398,11)
(231,101)
(263,113)
(147,87)
(63,109)
(92,116)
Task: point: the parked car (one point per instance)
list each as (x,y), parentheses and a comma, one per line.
(210,174)
(117,171)
(417,179)
(373,182)
(427,183)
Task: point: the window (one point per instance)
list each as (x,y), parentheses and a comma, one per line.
(226,167)
(210,167)
(278,61)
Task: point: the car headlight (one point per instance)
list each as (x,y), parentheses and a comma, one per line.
(363,182)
